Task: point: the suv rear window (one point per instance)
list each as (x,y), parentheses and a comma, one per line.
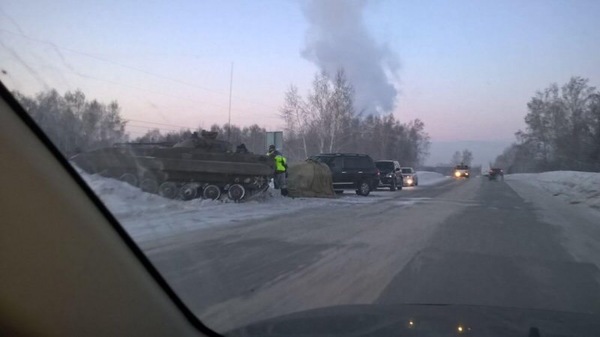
(329,160)
(357,162)
(388,166)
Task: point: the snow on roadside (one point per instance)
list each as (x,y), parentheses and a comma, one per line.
(574,187)
(148,216)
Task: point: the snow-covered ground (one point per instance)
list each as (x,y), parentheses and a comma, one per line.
(573,187)
(148,216)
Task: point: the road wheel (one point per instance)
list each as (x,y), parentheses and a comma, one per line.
(211,192)
(129,178)
(363,188)
(393,187)
(236,192)
(149,185)
(188,191)
(168,189)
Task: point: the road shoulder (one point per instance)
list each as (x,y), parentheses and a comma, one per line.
(579,223)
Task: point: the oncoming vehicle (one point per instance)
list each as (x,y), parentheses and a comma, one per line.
(389,174)
(410,176)
(351,171)
(461,171)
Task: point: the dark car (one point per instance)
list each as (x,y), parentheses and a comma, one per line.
(495,174)
(390,174)
(351,171)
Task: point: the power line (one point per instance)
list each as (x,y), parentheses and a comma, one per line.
(75,72)
(132,68)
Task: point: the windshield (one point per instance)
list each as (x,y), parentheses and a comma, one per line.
(193,122)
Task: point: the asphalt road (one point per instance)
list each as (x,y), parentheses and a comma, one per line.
(461,242)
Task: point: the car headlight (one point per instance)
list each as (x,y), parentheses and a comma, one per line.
(457,174)
(389,175)
(409,181)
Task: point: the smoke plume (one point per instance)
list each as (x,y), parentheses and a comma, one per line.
(338,38)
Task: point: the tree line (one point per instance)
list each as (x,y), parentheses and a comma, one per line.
(562,131)
(465,157)
(325,121)
(77,124)
(73,122)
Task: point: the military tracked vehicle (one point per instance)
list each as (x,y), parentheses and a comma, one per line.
(196,167)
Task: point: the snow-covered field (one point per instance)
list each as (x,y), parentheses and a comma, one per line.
(573,187)
(147,216)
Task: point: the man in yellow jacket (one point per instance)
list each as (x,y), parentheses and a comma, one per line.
(280,170)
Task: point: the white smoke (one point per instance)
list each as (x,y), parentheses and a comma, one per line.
(337,38)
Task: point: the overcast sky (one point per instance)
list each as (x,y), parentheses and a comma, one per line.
(466,68)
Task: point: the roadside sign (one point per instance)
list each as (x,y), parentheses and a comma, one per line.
(274,138)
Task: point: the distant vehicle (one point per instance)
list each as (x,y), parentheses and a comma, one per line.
(390,174)
(410,177)
(351,171)
(495,174)
(461,171)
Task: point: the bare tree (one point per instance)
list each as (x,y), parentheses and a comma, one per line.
(341,108)
(319,109)
(456,158)
(73,123)
(296,115)
(467,157)
(326,121)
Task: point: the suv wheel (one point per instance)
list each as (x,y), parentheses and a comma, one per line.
(393,185)
(363,188)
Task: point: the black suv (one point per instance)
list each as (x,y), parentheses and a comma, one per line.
(351,171)
(389,174)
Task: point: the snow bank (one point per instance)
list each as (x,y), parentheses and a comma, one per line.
(574,187)
(427,178)
(148,216)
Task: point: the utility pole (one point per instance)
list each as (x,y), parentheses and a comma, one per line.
(230,91)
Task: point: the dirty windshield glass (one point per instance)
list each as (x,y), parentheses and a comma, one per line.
(193,122)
